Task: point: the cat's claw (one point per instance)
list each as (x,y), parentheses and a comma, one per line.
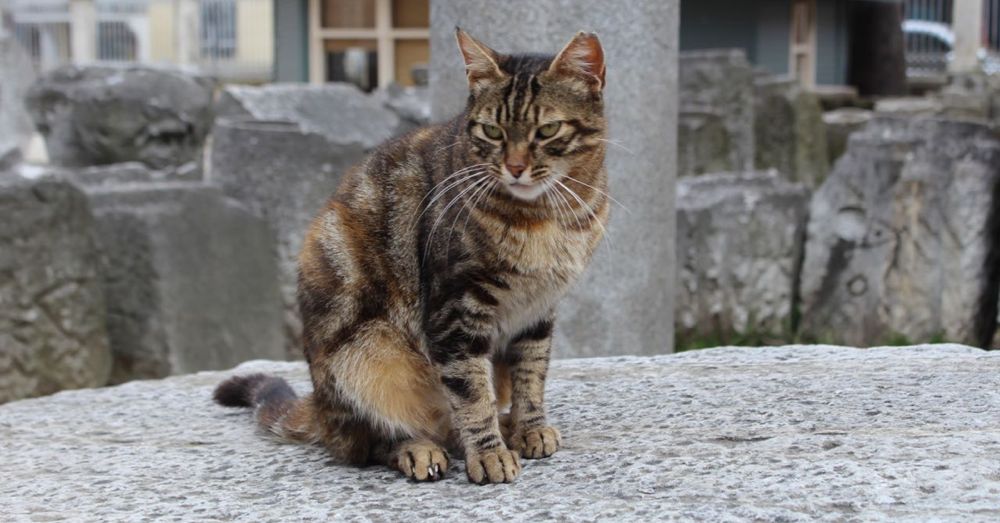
(422,461)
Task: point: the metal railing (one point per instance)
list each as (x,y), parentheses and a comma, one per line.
(230,39)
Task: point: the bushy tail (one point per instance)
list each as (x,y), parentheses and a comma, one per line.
(276,406)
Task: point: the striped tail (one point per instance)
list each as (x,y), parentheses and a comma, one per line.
(272,399)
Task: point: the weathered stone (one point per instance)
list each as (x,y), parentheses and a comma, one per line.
(903,236)
(412,104)
(341,112)
(17,73)
(283,175)
(739,244)
(789,134)
(720,83)
(104,115)
(703,144)
(910,106)
(52,308)
(840,124)
(762,434)
(973,96)
(190,275)
(624,302)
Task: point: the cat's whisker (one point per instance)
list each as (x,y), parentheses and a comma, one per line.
(590,211)
(605,193)
(446,147)
(439,193)
(476,198)
(569,208)
(444,212)
(616,144)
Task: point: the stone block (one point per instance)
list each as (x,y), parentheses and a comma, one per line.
(739,434)
(903,236)
(284,175)
(840,124)
(719,82)
(104,115)
(739,245)
(191,278)
(624,302)
(340,111)
(703,144)
(52,305)
(789,134)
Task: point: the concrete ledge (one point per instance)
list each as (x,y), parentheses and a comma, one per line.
(789,434)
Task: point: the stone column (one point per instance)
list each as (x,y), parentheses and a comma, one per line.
(624,303)
(967,23)
(83,31)
(188,32)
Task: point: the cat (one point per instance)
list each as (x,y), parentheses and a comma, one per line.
(428,283)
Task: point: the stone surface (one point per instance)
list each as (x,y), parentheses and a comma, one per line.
(910,106)
(904,234)
(191,278)
(283,175)
(739,244)
(104,115)
(762,434)
(974,96)
(411,104)
(625,299)
(703,144)
(17,73)
(789,134)
(840,124)
(52,308)
(718,82)
(340,111)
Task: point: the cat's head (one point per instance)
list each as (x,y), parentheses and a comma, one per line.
(537,120)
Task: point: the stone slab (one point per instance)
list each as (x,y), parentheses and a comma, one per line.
(789,134)
(52,304)
(624,302)
(764,434)
(18,74)
(739,246)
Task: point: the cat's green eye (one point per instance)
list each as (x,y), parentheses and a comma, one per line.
(548,130)
(492,132)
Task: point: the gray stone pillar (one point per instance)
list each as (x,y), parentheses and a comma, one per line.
(624,303)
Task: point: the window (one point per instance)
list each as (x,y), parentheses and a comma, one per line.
(116,42)
(218,29)
(369,43)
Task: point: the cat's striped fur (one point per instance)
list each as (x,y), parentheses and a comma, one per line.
(428,284)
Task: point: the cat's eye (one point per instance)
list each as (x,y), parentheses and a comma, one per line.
(492,132)
(548,130)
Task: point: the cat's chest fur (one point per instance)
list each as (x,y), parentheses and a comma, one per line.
(544,261)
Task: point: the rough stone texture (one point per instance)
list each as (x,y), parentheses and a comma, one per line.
(903,236)
(625,300)
(739,244)
(789,134)
(103,115)
(411,104)
(973,96)
(283,175)
(52,308)
(910,106)
(703,144)
(341,112)
(718,83)
(190,275)
(18,74)
(759,434)
(840,124)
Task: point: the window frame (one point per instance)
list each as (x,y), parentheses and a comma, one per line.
(384,35)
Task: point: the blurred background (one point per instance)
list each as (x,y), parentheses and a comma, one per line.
(791,171)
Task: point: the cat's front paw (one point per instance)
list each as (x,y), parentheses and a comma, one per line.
(421,460)
(492,466)
(534,443)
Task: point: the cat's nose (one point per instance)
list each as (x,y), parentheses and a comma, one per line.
(516,169)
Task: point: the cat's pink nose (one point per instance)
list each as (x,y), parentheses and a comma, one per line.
(516,169)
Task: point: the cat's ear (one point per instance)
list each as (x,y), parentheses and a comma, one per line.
(481,62)
(583,57)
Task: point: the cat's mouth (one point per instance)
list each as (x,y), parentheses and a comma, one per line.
(526,191)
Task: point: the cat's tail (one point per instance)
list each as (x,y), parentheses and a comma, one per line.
(276,406)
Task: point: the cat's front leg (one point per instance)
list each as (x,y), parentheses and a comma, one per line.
(461,352)
(528,361)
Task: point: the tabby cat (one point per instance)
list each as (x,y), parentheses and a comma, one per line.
(427,285)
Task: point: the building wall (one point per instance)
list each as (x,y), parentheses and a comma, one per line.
(255,31)
(831,42)
(162,31)
(291,44)
(712,24)
(774,23)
